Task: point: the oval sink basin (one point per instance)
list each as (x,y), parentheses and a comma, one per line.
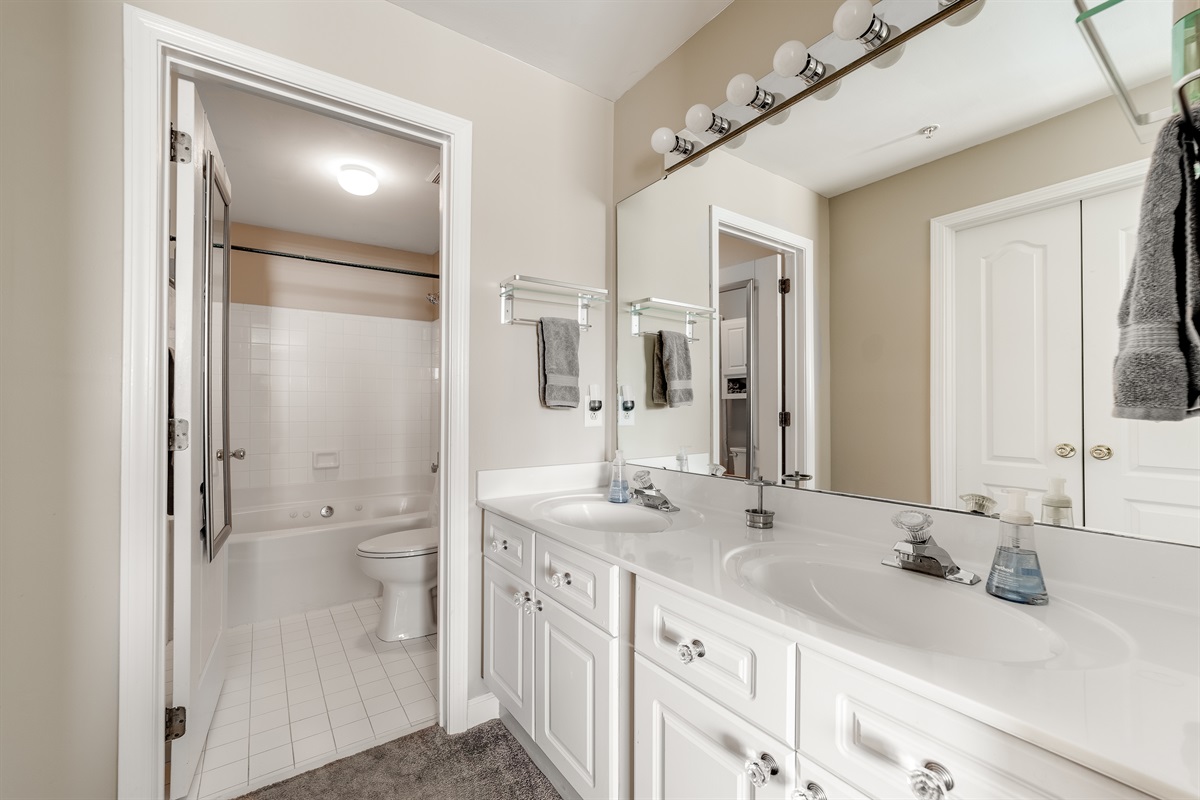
(593,512)
(926,613)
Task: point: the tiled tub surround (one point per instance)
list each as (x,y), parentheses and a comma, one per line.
(1132,716)
(313,381)
(304,690)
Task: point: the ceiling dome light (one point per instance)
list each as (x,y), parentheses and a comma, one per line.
(358,180)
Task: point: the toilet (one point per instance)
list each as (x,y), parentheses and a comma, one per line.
(406,563)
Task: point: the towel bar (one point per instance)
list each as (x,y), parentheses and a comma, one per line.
(544,290)
(667,309)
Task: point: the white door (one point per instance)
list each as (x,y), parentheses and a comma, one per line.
(1018,354)
(575,691)
(508,641)
(201,480)
(1150,485)
(686,747)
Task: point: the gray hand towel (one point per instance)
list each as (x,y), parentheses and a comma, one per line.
(1156,375)
(558,362)
(672,370)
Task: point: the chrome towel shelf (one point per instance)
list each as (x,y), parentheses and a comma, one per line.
(667,309)
(544,290)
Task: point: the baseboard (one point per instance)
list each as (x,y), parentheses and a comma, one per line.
(481,709)
(540,759)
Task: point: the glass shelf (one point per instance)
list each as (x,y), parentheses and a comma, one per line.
(544,290)
(667,309)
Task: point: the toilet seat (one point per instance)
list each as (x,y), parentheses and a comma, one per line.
(401,544)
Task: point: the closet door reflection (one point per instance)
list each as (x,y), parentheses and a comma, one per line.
(218,514)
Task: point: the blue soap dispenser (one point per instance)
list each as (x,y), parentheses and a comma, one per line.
(1016,572)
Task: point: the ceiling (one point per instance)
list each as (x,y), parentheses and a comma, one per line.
(604,46)
(283,163)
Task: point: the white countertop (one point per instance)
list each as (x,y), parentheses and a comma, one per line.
(1132,714)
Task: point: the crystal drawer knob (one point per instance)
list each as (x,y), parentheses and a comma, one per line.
(518,598)
(690,651)
(811,791)
(497,546)
(761,769)
(931,782)
(532,606)
(560,579)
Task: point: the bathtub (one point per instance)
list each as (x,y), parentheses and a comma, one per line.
(287,559)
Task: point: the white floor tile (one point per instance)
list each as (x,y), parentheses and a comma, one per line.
(369,675)
(265,704)
(428,673)
(395,666)
(231,714)
(425,659)
(309,727)
(269,675)
(303,679)
(228,699)
(269,740)
(380,703)
(306,709)
(224,754)
(343,698)
(232,684)
(365,662)
(346,714)
(325,648)
(266,663)
(356,731)
(228,733)
(333,659)
(406,679)
(339,684)
(313,747)
(265,722)
(391,720)
(234,659)
(375,689)
(421,709)
(302,693)
(267,689)
(411,694)
(300,667)
(218,780)
(270,761)
(238,671)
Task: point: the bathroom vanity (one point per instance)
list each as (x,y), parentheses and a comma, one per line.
(693,657)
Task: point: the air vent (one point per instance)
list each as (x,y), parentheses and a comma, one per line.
(435,177)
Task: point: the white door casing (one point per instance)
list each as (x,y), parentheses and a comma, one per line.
(1151,484)
(157,49)
(199,599)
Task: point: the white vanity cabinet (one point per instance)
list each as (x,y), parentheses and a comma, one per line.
(551,652)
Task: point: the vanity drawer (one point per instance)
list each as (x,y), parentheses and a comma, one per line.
(878,735)
(508,544)
(751,672)
(814,781)
(582,583)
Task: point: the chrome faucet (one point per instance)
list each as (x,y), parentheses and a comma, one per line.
(920,553)
(645,493)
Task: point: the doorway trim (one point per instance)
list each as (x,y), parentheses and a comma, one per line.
(157,48)
(797,252)
(943,414)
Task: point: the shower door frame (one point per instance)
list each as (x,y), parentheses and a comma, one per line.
(156,50)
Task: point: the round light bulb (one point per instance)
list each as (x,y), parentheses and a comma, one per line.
(741,89)
(662,141)
(699,118)
(358,180)
(853,19)
(790,58)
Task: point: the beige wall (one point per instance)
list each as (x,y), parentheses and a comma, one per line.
(535,199)
(290,283)
(742,38)
(880,284)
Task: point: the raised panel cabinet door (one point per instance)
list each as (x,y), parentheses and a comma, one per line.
(508,641)
(687,747)
(1147,481)
(1018,354)
(575,705)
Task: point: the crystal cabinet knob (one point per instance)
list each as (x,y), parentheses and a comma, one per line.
(532,606)
(931,782)
(519,598)
(761,769)
(560,579)
(497,546)
(690,651)
(811,791)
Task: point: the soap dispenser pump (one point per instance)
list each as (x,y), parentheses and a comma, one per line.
(1016,572)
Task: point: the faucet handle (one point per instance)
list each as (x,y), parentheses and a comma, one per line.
(641,479)
(759,481)
(915,523)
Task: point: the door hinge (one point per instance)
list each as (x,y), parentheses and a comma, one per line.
(181,146)
(785,285)
(785,419)
(177,434)
(176,723)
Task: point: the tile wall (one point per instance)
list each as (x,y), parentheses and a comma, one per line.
(314,381)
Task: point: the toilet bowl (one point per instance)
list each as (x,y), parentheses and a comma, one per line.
(405,562)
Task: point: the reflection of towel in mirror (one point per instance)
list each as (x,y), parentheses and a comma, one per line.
(1156,375)
(558,362)
(672,370)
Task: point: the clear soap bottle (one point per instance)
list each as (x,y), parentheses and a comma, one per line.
(618,487)
(1016,572)
(1056,506)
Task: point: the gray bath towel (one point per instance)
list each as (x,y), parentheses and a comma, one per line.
(558,362)
(672,370)
(1156,375)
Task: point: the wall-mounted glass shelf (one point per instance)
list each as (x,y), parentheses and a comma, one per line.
(667,309)
(544,290)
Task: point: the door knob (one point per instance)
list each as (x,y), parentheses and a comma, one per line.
(1064,450)
(1101,452)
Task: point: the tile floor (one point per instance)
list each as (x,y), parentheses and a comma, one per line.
(304,690)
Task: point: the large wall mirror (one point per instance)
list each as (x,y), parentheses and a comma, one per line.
(909,289)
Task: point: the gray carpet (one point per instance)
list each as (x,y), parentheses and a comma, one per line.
(483,763)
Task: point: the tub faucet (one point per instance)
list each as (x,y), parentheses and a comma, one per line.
(646,494)
(920,553)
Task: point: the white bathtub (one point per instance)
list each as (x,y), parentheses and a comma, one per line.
(287,559)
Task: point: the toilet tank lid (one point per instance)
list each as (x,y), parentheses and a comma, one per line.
(417,541)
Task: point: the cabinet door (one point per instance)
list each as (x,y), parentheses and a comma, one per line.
(575,686)
(689,747)
(508,642)
(733,346)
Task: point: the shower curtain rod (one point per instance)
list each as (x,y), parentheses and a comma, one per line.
(319,260)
